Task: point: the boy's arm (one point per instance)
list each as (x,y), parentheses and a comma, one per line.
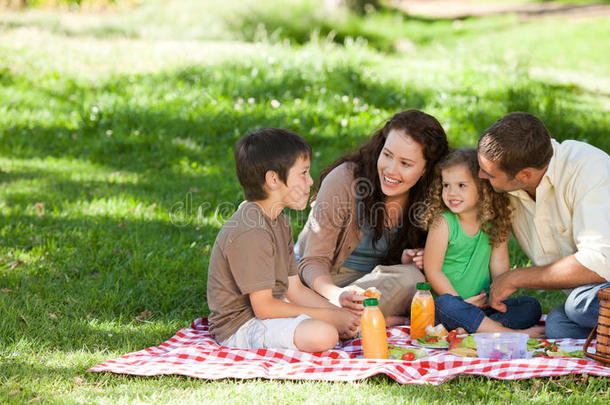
(434,255)
(499,261)
(267,307)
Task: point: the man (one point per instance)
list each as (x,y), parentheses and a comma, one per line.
(560,195)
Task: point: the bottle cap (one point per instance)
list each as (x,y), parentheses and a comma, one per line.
(423,286)
(370,302)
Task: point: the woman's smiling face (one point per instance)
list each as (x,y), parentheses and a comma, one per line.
(400,164)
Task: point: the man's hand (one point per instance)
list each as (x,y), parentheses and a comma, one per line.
(415,256)
(479,300)
(352,299)
(500,289)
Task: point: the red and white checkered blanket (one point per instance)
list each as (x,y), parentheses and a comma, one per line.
(193,352)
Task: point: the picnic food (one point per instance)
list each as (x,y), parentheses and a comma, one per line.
(559,353)
(468,341)
(501,345)
(408,356)
(438,330)
(550,349)
(372,324)
(433,342)
(422,311)
(533,344)
(454,340)
(372,292)
(451,341)
(463,351)
(400,353)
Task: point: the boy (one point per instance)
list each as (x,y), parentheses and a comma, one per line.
(255,296)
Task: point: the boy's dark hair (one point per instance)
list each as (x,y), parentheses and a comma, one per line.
(267,149)
(516,141)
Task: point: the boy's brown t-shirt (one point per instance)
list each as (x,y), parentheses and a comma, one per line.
(252,252)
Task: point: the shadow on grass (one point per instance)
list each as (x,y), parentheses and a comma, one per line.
(88,279)
(105,266)
(59,190)
(113,268)
(203,127)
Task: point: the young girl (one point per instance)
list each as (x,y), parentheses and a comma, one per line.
(468,229)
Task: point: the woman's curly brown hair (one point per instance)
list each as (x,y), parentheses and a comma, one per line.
(494,208)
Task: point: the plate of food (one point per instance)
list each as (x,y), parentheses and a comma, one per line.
(431,342)
(545,348)
(438,338)
(405,353)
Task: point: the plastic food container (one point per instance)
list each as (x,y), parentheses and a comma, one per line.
(501,345)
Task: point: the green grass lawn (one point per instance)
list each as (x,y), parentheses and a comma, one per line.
(116,170)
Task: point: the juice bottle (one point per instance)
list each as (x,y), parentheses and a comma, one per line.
(422,311)
(372,325)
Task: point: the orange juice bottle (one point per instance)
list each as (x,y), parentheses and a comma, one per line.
(372,325)
(422,311)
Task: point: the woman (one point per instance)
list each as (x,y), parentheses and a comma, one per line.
(359,224)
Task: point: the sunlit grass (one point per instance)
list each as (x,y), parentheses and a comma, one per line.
(116,167)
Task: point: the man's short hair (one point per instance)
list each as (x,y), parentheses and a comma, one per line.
(267,149)
(516,141)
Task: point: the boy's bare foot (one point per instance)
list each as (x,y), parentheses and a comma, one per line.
(395,320)
(536,332)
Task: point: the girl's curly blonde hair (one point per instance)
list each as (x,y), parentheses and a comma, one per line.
(494,208)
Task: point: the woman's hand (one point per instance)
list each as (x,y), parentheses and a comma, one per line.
(415,256)
(479,300)
(352,300)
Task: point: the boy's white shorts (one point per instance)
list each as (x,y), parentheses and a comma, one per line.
(276,333)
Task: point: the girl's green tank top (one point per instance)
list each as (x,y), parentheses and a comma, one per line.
(466,263)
